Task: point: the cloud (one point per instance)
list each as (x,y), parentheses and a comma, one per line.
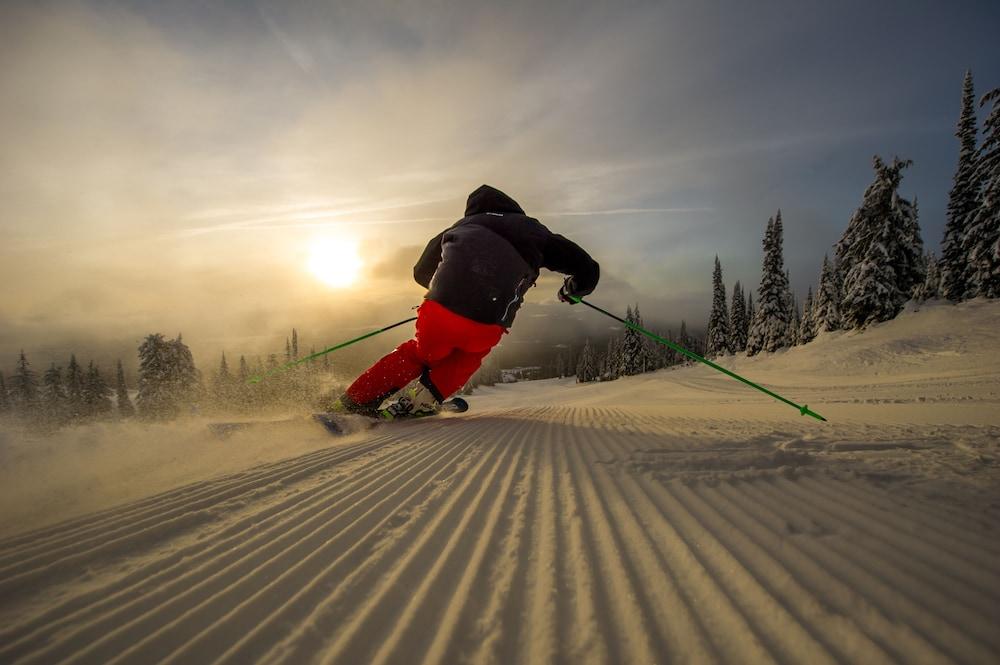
(169,163)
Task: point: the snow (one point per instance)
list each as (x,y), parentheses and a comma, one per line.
(677,516)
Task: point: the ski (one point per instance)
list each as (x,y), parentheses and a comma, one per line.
(338,424)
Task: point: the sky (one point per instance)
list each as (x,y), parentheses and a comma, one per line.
(174,166)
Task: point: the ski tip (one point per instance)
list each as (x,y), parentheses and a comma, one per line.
(329,422)
(458,405)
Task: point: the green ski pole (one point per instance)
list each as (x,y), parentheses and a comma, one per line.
(803,410)
(282,368)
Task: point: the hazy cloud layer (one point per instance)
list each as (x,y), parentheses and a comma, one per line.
(167,165)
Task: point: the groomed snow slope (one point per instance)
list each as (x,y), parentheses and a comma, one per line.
(674,517)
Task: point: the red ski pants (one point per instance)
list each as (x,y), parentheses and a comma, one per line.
(448,346)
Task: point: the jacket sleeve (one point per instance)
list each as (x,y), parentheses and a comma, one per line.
(427,265)
(565,256)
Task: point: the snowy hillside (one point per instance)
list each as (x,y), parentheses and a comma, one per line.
(672,517)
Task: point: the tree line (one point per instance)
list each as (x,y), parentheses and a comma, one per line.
(168,385)
(880,263)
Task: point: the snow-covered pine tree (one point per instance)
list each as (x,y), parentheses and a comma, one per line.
(646,363)
(614,356)
(717,341)
(124,402)
(794,314)
(808,327)
(930,287)
(684,341)
(24,386)
(187,379)
(908,257)
(167,377)
(872,249)
(769,330)
(983,232)
(737,321)
(4,403)
(828,297)
(795,327)
(962,202)
(751,312)
(633,348)
(585,367)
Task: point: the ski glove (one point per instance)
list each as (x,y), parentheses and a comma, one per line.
(566,290)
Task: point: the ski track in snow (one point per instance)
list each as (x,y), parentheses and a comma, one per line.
(552,534)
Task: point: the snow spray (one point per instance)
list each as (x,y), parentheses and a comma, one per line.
(803,410)
(282,368)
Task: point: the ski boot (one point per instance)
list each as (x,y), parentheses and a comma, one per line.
(416,402)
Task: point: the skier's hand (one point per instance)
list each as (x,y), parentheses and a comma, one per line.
(565,291)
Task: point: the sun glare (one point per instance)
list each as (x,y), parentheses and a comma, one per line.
(335,262)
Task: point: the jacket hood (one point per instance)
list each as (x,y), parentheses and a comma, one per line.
(490,199)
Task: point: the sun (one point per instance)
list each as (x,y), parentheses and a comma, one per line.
(335,261)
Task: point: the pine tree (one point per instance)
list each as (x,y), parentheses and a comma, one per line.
(875,251)
(223,384)
(96,393)
(241,391)
(828,297)
(586,370)
(808,327)
(737,321)
(54,395)
(187,380)
(795,327)
(4,402)
(983,233)
(794,314)
(931,287)
(295,344)
(790,301)
(718,320)
(770,328)
(74,389)
(634,352)
(125,407)
(24,386)
(614,357)
(168,380)
(683,340)
(908,255)
(962,202)
(751,311)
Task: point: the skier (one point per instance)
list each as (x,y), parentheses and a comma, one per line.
(476,272)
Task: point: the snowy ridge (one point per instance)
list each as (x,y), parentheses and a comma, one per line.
(523,535)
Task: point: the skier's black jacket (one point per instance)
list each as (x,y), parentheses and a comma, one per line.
(482,266)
